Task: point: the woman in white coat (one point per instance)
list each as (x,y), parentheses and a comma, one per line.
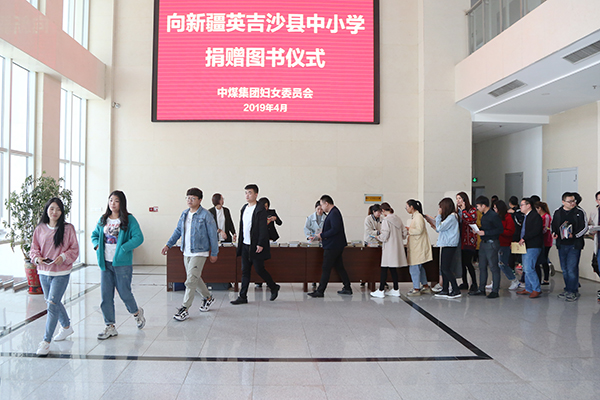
(393,255)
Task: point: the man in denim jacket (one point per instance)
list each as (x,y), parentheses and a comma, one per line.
(198,231)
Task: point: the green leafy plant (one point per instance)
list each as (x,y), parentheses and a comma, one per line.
(25,208)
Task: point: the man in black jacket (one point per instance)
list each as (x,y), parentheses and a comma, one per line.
(253,244)
(569,225)
(532,237)
(334,241)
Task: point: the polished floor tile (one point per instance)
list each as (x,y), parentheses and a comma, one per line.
(337,347)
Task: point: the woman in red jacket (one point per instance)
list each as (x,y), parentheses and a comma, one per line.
(505,241)
(468,239)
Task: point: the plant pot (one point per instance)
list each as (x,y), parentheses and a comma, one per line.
(33,279)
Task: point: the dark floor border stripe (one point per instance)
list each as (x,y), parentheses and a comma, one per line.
(39,315)
(455,335)
(243,359)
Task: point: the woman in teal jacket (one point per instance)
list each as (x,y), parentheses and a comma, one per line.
(116,235)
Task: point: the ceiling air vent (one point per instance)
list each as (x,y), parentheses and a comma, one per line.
(584,53)
(507,88)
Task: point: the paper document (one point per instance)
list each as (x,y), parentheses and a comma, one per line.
(474,227)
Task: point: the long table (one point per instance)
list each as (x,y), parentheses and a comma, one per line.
(294,265)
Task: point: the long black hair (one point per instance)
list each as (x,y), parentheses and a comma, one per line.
(502,209)
(416,204)
(60,224)
(123,214)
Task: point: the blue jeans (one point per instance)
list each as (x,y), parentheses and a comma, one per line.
(116,278)
(418,275)
(569,263)
(504,263)
(532,282)
(54,289)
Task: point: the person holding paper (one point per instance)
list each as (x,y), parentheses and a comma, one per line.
(532,237)
(491,228)
(314,222)
(468,238)
(54,249)
(569,225)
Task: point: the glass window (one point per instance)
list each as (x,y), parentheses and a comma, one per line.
(73,122)
(76,20)
(493,19)
(76,129)
(19,109)
(530,5)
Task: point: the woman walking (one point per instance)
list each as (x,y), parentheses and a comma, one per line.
(54,249)
(116,235)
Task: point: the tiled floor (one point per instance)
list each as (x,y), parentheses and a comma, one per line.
(339,347)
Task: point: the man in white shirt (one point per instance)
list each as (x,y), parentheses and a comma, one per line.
(253,244)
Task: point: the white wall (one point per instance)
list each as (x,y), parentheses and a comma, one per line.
(571,140)
(517,152)
(293,164)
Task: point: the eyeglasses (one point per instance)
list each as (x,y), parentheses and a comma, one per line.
(569,201)
(191,198)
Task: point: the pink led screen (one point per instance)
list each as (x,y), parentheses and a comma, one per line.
(292,60)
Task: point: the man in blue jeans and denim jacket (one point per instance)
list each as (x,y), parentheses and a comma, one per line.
(532,237)
(198,231)
(569,225)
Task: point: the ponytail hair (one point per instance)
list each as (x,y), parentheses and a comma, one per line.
(416,204)
(387,207)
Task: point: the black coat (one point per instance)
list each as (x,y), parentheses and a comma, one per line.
(333,235)
(534,230)
(259,233)
(273,235)
(229,226)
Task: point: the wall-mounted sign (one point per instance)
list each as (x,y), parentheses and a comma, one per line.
(373,198)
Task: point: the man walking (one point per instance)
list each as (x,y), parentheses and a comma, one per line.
(334,241)
(532,237)
(199,232)
(491,228)
(569,225)
(253,244)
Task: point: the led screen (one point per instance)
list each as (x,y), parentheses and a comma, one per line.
(240,60)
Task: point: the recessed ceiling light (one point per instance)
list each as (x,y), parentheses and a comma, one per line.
(545,94)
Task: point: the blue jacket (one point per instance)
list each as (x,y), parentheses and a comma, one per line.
(311,226)
(333,234)
(204,232)
(448,229)
(128,240)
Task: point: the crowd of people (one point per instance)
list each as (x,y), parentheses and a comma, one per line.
(492,232)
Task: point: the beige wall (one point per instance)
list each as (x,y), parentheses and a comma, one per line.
(293,164)
(518,152)
(571,140)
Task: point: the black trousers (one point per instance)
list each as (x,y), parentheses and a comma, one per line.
(333,258)
(448,277)
(467,265)
(259,267)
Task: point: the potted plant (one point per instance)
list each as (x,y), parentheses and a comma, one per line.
(25,209)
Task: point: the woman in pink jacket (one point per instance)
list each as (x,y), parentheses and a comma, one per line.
(54,250)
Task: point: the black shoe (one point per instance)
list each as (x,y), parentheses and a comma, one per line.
(455,295)
(345,291)
(362,284)
(463,286)
(239,300)
(275,292)
(258,285)
(473,288)
(316,294)
(493,295)
(545,283)
(476,293)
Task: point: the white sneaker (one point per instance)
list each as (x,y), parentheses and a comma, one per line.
(43,348)
(514,285)
(437,288)
(378,293)
(108,331)
(63,333)
(139,318)
(414,293)
(393,293)
(490,286)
